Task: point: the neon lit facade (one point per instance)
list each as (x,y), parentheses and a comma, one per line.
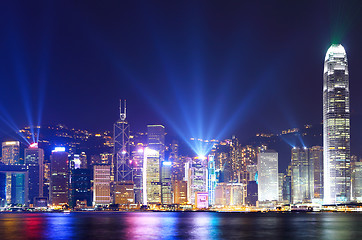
(336,126)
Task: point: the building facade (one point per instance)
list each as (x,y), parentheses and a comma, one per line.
(34,161)
(268,176)
(101,184)
(336,126)
(59,177)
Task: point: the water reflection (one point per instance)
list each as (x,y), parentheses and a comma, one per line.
(181,225)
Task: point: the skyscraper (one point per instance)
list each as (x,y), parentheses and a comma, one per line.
(121,151)
(101,184)
(336,126)
(10,152)
(137,164)
(156,141)
(197,177)
(34,160)
(316,157)
(268,176)
(151,177)
(301,180)
(59,179)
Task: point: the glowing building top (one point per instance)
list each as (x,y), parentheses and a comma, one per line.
(336,127)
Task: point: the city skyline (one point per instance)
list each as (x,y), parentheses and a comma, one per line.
(182,73)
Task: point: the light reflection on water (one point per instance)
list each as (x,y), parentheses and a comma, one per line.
(181,225)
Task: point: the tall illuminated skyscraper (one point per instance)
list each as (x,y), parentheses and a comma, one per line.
(151,177)
(301,179)
(121,149)
(10,152)
(336,126)
(34,160)
(101,184)
(59,179)
(268,176)
(156,141)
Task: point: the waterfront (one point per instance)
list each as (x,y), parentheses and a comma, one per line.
(180,225)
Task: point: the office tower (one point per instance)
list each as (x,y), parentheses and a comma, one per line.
(301,166)
(151,177)
(34,161)
(123,193)
(268,176)
(356,181)
(13,185)
(166,188)
(196,177)
(101,185)
(108,158)
(83,160)
(59,178)
(280,186)
(174,151)
(81,193)
(211,178)
(121,150)
(156,139)
(229,194)
(10,153)
(236,161)
(252,193)
(336,126)
(287,185)
(178,167)
(137,164)
(46,183)
(316,159)
(179,191)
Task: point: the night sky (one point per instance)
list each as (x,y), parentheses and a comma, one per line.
(205,69)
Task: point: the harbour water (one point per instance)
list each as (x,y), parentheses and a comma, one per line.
(180,225)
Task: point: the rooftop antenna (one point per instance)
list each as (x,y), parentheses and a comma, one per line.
(123,114)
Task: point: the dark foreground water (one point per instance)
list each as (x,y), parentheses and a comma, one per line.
(181,225)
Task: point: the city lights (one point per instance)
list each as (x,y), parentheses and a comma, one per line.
(59,149)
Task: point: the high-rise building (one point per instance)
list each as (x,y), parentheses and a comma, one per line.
(280,186)
(13,185)
(252,193)
(34,161)
(121,150)
(357,181)
(196,177)
(316,159)
(137,164)
(336,126)
(268,176)
(179,192)
(166,188)
(156,139)
(229,194)
(211,178)
(301,175)
(287,185)
(123,193)
(11,153)
(81,186)
(151,177)
(59,178)
(101,184)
